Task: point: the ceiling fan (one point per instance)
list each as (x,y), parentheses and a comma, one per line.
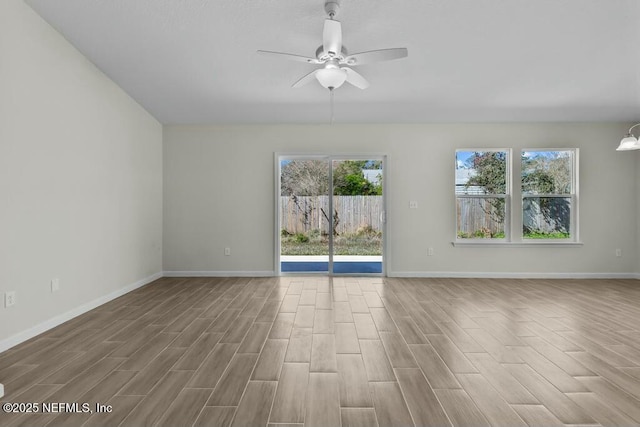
(335,60)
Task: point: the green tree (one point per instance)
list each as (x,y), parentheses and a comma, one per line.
(547,172)
(491,177)
(491,172)
(349,179)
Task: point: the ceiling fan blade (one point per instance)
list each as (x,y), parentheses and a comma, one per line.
(332,37)
(355,78)
(376,56)
(306,79)
(290,56)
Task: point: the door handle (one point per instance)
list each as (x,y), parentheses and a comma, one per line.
(383,217)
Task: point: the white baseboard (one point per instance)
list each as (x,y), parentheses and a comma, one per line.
(501,275)
(61,318)
(426,274)
(219,273)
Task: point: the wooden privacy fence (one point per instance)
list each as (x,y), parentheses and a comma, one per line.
(477,215)
(301,214)
(541,214)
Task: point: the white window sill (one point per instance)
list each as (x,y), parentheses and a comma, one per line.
(502,243)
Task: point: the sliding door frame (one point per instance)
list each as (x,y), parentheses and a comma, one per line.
(278,158)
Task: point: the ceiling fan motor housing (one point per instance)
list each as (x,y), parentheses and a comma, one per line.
(323,56)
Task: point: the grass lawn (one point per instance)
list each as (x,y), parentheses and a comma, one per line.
(343,245)
(543,235)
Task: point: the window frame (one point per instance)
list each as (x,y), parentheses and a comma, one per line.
(573,196)
(514,204)
(507,196)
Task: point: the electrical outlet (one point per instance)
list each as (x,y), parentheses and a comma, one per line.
(55,285)
(618,252)
(413,204)
(227,251)
(430,252)
(9,298)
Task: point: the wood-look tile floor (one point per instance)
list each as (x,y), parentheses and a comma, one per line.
(320,351)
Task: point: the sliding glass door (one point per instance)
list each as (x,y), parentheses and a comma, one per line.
(330,215)
(304,215)
(358,220)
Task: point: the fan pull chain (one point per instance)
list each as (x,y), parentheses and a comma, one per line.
(331,103)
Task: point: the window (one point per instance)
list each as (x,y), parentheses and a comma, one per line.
(482,194)
(548,194)
(547,184)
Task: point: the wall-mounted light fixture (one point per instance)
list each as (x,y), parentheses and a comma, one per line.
(629,142)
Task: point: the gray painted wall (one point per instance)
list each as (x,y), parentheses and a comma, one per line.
(80,179)
(219,192)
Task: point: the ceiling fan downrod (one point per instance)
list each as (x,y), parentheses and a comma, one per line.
(331,105)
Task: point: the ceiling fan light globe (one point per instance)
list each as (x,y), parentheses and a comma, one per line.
(331,77)
(629,142)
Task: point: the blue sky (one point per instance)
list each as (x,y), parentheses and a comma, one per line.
(462,157)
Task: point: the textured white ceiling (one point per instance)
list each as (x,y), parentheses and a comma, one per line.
(195,61)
